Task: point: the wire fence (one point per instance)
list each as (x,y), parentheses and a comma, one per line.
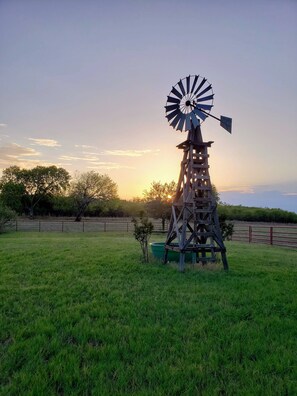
(279,235)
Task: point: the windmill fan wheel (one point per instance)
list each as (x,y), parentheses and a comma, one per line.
(189,103)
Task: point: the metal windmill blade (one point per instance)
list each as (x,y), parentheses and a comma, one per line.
(181,108)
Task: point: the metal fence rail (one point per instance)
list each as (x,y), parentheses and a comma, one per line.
(271,235)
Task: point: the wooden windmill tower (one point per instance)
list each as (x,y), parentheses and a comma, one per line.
(194,226)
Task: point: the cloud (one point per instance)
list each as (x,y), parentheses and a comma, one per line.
(3,125)
(290,194)
(130,153)
(108,165)
(45,142)
(238,189)
(73,158)
(24,157)
(14,150)
(84,146)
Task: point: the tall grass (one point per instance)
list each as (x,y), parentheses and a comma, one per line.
(81,315)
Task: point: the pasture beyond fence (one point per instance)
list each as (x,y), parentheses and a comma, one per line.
(279,235)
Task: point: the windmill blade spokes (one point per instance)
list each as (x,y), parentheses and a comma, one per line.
(204,106)
(188,122)
(204,91)
(188,84)
(175,120)
(200,86)
(181,122)
(171,107)
(205,98)
(195,121)
(181,86)
(173,100)
(200,114)
(176,93)
(173,114)
(194,83)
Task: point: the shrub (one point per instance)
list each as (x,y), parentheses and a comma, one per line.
(143,229)
(6,216)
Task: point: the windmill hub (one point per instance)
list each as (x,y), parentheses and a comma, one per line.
(188,103)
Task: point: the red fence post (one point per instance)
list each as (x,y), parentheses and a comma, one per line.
(271,235)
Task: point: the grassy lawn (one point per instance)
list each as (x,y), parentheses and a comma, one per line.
(81,315)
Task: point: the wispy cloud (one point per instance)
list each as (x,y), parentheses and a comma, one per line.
(85,146)
(25,157)
(130,153)
(290,194)
(108,165)
(14,150)
(45,142)
(238,189)
(74,158)
(3,125)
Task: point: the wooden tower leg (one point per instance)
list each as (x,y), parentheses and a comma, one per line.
(182,261)
(225,261)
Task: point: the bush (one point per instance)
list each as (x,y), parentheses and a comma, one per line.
(6,216)
(142,232)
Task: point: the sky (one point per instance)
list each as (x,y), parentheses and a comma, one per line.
(83,85)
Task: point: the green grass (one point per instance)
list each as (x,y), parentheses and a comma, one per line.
(81,315)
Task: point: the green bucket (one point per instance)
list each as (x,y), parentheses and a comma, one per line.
(158,249)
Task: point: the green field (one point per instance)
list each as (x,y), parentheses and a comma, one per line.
(81,315)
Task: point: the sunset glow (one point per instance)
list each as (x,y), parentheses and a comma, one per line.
(84,88)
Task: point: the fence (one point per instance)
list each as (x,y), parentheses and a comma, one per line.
(82,226)
(278,235)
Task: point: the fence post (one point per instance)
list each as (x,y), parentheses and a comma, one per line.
(16,225)
(62,226)
(83,224)
(39,226)
(127,226)
(250,234)
(105,226)
(271,235)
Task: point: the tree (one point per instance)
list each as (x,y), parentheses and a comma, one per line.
(13,196)
(215,193)
(143,229)
(91,186)
(38,183)
(159,200)
(6,216)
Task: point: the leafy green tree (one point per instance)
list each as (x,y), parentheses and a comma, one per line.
(62,205)
(89,187)
(159,200)
(13,196)
(38,182)
(6,216)
(143,229)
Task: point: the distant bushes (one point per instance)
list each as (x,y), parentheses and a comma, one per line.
(244,213)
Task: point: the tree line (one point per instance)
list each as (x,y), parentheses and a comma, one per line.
(50,191)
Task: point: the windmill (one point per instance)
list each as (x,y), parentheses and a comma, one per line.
(194,226)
